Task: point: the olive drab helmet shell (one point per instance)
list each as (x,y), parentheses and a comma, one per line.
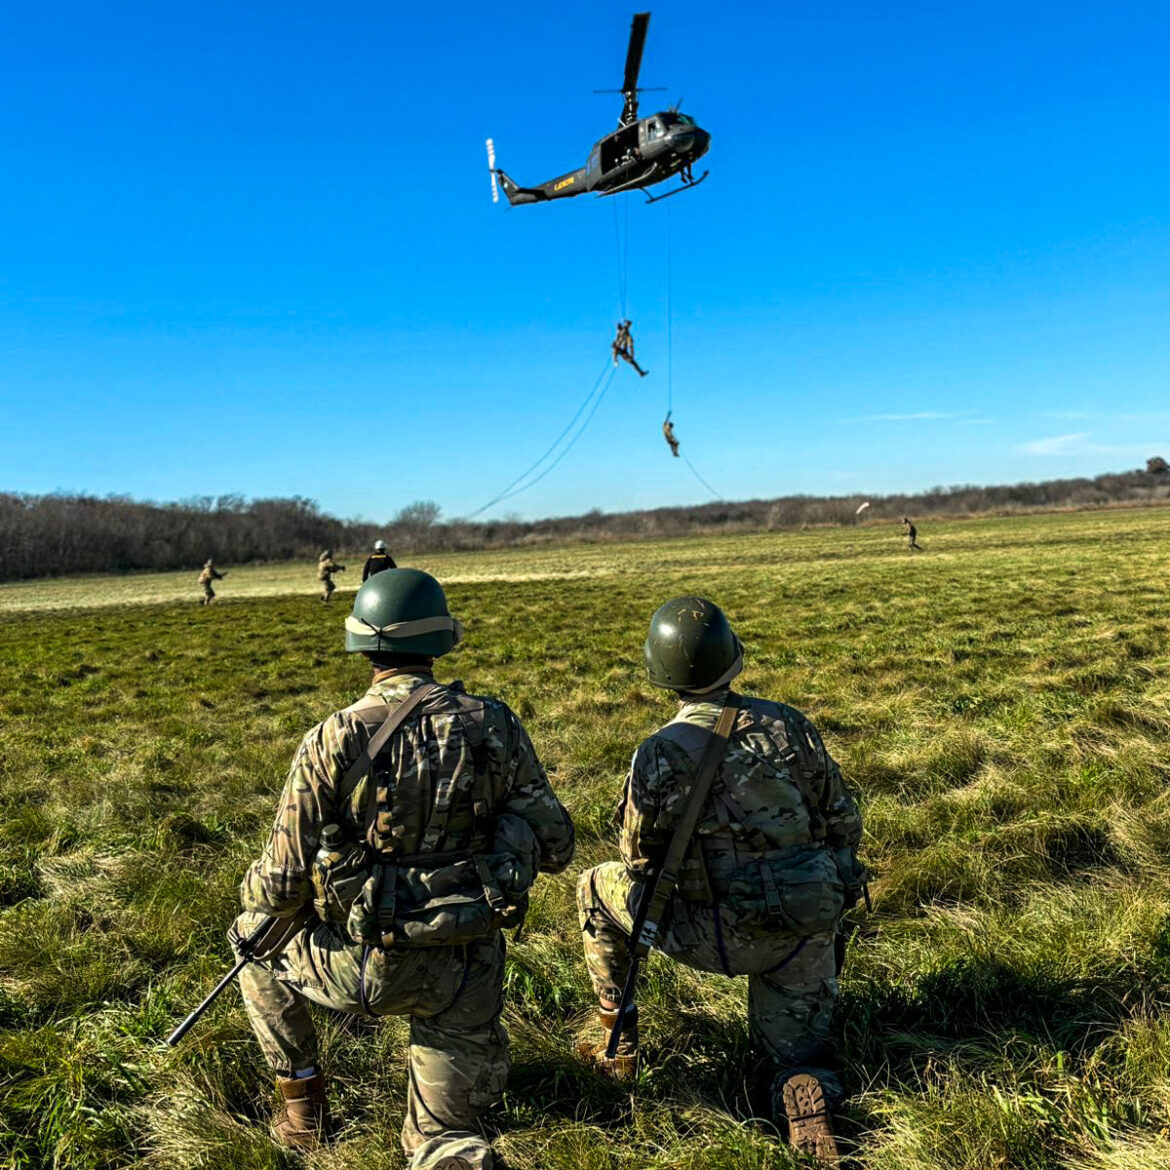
(691,646)
(402,611)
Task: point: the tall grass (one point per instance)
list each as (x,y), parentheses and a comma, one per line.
(1000,703)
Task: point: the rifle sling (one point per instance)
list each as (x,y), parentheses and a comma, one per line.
(656,896)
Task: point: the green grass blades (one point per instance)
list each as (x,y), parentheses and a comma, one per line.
(999,702)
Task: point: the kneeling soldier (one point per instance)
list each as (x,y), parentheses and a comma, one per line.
(765,876)
(414,823)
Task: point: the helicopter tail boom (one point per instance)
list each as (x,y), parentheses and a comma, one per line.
(559,188)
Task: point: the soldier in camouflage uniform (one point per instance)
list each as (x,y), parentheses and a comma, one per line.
(206,577)
(326,567)
(769,871)
(456,779)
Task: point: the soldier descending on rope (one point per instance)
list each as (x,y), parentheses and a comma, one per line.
(209,574)
(419,818)
(326,567)
(757,887)
(668,435)
(911,534)
(379,560)
(623,347)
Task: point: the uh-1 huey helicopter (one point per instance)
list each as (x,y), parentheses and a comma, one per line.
(638,154)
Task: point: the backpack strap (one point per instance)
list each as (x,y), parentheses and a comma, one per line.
(358,769)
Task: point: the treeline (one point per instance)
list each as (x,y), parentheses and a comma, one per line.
(52,535)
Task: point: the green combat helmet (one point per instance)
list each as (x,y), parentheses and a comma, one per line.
(692,647)
(402,611)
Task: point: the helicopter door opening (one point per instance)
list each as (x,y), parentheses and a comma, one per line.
(619,148)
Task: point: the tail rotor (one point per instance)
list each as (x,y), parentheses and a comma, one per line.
(491,157)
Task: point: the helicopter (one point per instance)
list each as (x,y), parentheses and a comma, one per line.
(638,154)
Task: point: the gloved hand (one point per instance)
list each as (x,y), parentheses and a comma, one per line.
(276,938)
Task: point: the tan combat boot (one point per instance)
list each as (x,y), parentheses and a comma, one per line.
(303,1122)
(624,1065)
(802,1108)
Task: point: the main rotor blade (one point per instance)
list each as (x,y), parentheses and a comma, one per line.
(634,53)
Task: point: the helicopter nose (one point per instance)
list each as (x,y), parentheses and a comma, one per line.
(690,141)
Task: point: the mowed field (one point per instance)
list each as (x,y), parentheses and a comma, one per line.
(1000,703)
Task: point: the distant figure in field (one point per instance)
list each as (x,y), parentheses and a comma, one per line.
(911,534)
(209,574)
(326,567)
(668,435)
(380,560)
(623,347)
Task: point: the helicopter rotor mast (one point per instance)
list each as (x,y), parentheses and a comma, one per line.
(638,28)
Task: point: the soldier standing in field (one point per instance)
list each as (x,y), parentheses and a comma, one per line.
(379,560)
(206,577)
(419,817)
(769,870)
(326,567)
(911,534)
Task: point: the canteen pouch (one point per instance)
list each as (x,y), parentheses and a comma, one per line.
(449,899)
(801,893)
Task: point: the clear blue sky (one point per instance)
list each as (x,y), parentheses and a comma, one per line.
(249,247)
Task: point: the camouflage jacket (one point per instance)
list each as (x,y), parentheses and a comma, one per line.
(208,575)
(414,770)
(326,567)
(776,793)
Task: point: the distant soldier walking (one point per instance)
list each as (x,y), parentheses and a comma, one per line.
(209,574)
(326,567)
(379,560)
(418,817)
(762,881)
(911,534)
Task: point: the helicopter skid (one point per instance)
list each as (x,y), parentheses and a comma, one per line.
(677,190)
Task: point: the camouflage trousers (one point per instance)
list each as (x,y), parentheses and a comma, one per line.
(792,982)
(208,594)
(327,588)
(453,997)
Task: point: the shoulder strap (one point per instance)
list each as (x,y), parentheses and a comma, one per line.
(377,741)
(654,898)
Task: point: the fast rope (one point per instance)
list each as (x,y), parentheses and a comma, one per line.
(670,348)
(623,259)
(569,445)
(593,396)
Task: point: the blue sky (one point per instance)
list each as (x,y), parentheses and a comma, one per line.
(250,248)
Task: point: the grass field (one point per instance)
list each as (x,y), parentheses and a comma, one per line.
(1000,703)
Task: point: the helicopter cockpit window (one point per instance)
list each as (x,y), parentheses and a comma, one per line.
(656,129)
(685,119)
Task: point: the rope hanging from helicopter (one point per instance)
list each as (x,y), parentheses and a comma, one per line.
(676,449)
(518,485)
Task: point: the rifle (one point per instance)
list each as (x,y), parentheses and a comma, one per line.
(656,894)
(245,953)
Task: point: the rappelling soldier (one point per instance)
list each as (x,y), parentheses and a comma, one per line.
(379,560)
(209,574)
(668,435)
(623,347)
(326,567)
(768,873)
(413,823)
